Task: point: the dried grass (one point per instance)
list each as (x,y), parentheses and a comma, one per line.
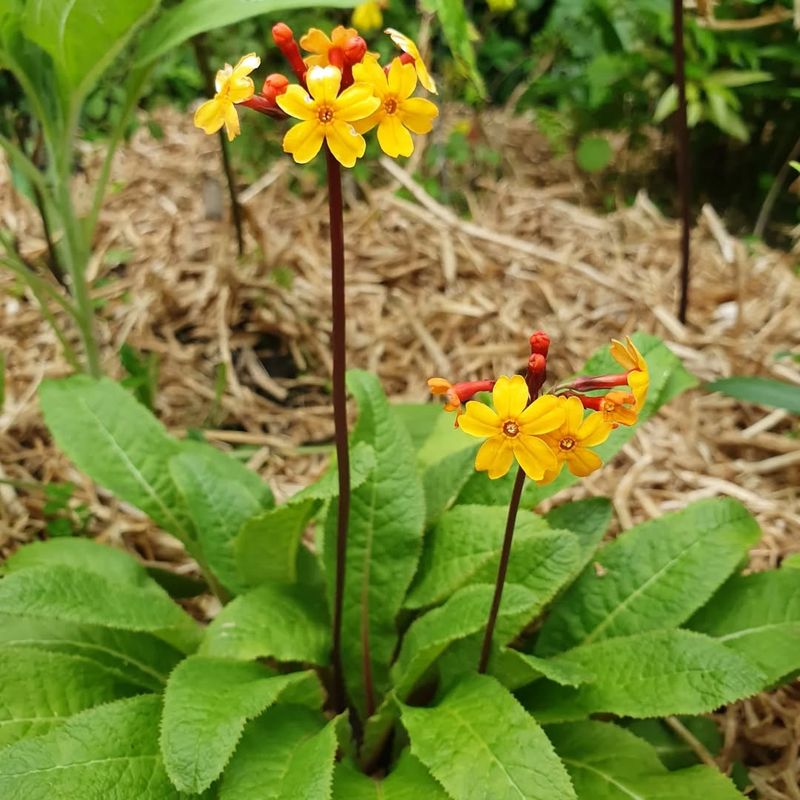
(429,293)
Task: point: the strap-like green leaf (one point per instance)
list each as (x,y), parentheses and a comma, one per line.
(118,443)
(606,762)
(759,617)
(206,705)
(654,576)
(650,674)
(105,753)
(480,744)
(286,754)
(384,539)
(78,596)
(39,690)
(288,623)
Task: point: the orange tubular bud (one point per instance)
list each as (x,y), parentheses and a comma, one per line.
(537,373)
(284,38)
(540,343)
(354,50)
(274,85)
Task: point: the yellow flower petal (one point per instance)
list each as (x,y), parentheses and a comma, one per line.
(370,71)
(368,123)
(346,144)
(367,16)
(573,414)
(211,115)
(304,140)
(296,103)
(418,114)
(495,456)
(408,46)
(222,76)
(510,396)
(582,462)
(402,79)
(543,415)
(323,84)
(551,474)
(247,64)
(356,102)
(639,382)
(480,420)
(231,122)
(534,456)
(315,41)
(594,430)
(393,138)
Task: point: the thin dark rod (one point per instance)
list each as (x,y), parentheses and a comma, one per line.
(340,421)
(505,555)
(682,152)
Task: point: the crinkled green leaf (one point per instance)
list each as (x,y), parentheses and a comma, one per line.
(653,576)
(75,595)
(207,703)
(515,669)
(39,690)
(220,495)
(409,780)
(118,443)
(588,519)
(480,744)
(463,615)
(649,674)
(673,750)
(444,480)
(107,753)
(112,563)
(137,658)
(384,539)
(362,462)
(607,762)
(420,420)
(267,545)
(759,617)
(285,754)
(288,623)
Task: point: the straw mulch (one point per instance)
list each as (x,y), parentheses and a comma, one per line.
(429,294)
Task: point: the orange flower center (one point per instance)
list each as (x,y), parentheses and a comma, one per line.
(510,428)
(608,406)
(567,443)
(325,114)
(390,105)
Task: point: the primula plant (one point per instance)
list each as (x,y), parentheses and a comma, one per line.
(409,625)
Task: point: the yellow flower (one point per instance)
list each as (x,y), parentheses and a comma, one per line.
(233,86)
(618,408)
(513,429)
(407,46)
(326,116)
(316,42)
(571,441)
(368,16)
(398,111)
(441,386)
(629,358)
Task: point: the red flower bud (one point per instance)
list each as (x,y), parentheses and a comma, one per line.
(282,34)
(540,343)
(283,37)
(537,374)
(274,85)
(354,50)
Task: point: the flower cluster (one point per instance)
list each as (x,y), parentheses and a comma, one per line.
(342,93)
(545,433)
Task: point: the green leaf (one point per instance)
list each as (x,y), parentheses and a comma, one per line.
(206,705)
(650,674)
(362,462)
(40,690)
(465,547)
(409,780)
(515,669)
(116,565)
(117,443)
(479,743)
(759,617)
(288,623)
(606,762)
(420,420)
(83,36)
(136,658)
(191,17)
(221,495)
(667,104)
(732,78)
(77,596)
(384,539)
(107,753)
(285,754)
(587,519)
(464,614)
(266,547)
(763,391)
(672,750)
(653,576)
(444,480)
(594,153)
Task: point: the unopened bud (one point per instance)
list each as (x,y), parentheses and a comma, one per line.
(282,34)
(540,343)
(354,50)
(274,85)
(537,374)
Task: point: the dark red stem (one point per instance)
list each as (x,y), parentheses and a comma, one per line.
(339,413)
(502,569)
(682,151)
